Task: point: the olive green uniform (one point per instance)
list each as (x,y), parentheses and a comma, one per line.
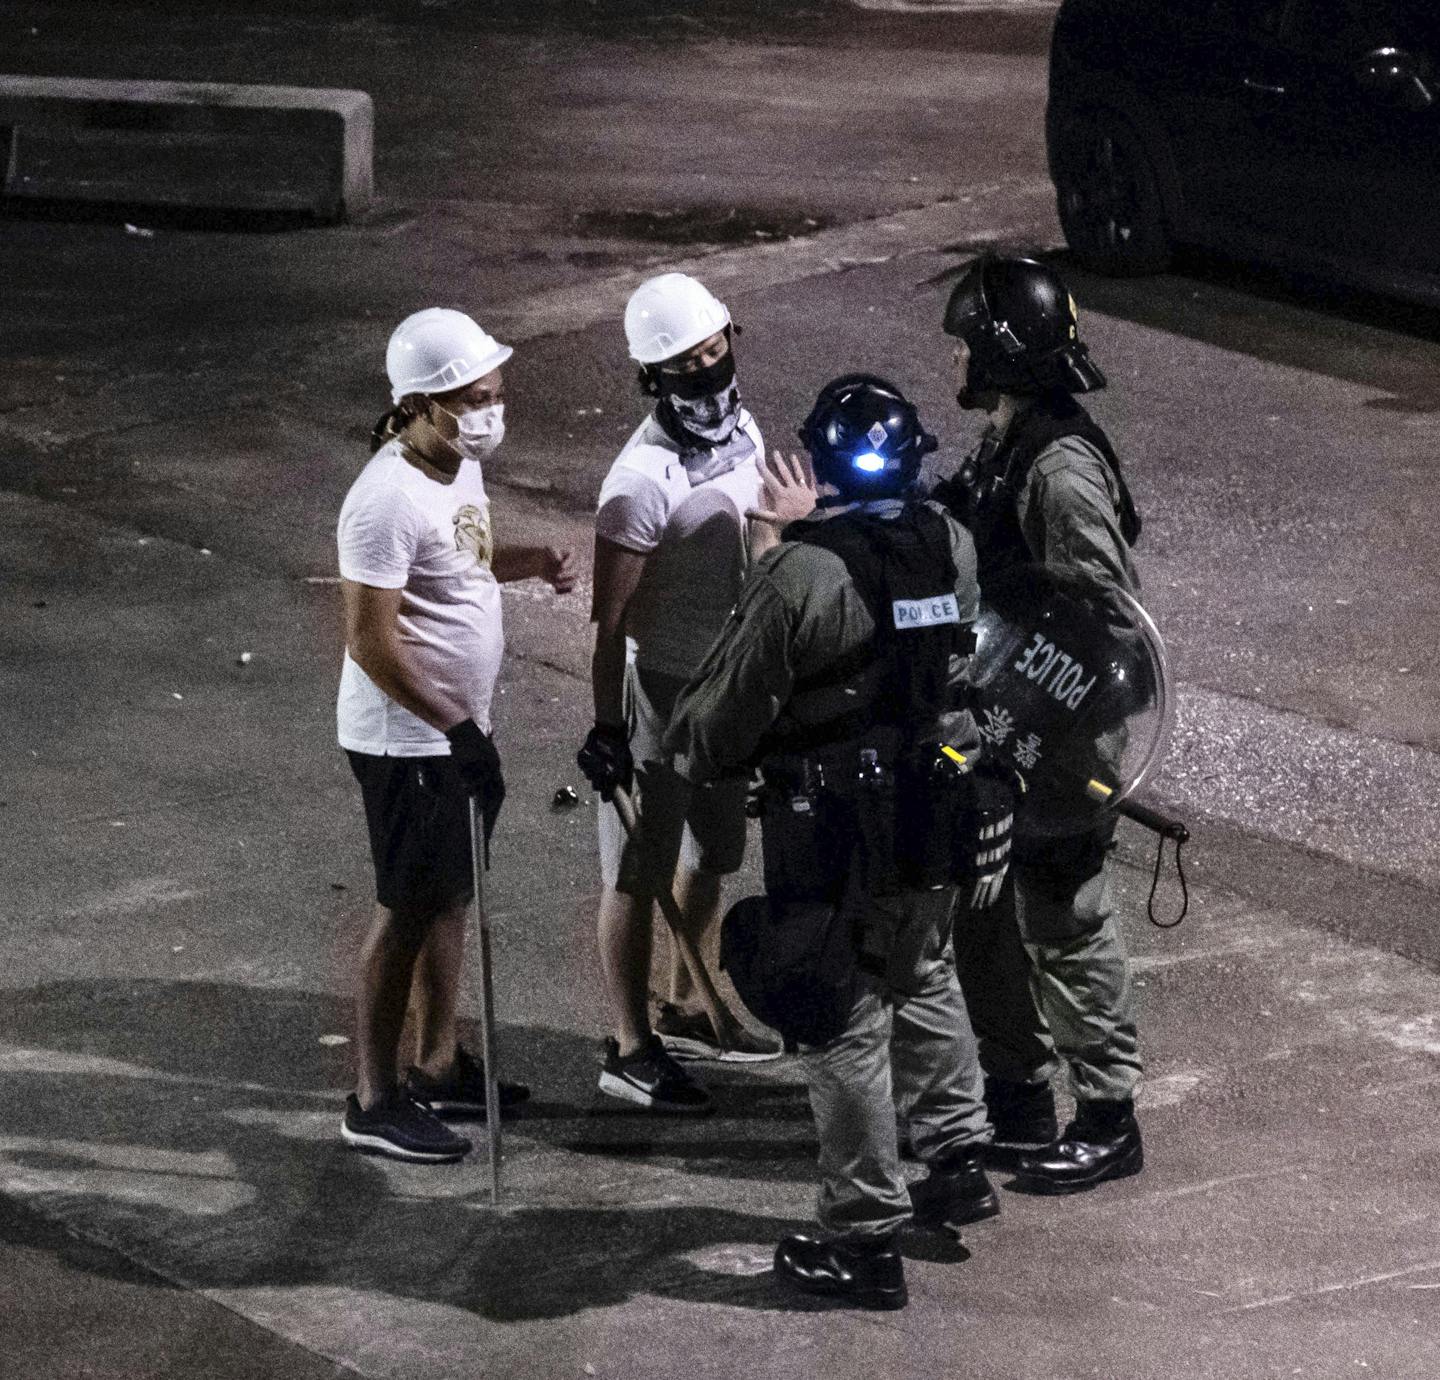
(907,1046)
(1045,972)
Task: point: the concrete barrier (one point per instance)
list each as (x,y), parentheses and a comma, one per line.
(188,144)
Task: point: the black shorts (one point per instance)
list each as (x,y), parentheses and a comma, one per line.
(418,815)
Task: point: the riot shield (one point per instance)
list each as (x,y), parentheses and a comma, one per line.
(1072,689)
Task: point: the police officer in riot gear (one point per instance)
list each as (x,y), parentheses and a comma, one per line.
(1045,973)
(837,672)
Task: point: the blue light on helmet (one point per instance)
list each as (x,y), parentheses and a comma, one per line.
(869,462)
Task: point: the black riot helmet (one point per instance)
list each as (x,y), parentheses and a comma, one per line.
(1019,322)
(865,438)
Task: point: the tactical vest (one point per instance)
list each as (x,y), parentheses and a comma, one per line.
(796,955)
(903,570)
(989,505)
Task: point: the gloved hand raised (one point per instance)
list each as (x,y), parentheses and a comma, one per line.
(473,752)
(605,759)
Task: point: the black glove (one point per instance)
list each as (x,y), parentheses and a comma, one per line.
(472,750)
(605,759)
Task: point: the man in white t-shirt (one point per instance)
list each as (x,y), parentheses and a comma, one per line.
(421,574)
(671,553)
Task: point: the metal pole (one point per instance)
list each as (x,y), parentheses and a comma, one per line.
(487,1000)
(670,909)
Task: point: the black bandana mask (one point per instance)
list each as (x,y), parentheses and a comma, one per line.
(699,384)
(704,404)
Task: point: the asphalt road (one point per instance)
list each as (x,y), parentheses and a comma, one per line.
(184,877)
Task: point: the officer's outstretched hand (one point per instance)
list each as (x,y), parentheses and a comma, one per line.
(605,759)
(790,489)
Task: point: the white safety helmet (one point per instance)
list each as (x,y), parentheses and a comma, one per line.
(668,315)
(436,350)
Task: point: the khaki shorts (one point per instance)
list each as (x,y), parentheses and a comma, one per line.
(701,826)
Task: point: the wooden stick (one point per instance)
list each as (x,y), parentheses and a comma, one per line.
(670,909)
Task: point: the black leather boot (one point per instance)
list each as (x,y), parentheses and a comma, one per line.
(1103,1142)
(865,1272)
(1021,1113)
(955,1192)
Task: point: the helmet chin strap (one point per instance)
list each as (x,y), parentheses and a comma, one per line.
(978,399)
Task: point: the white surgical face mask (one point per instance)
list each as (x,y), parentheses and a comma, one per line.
(481,429)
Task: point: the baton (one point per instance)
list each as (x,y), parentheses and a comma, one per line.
(1145,815)
(670,909)
(1152,819)
(1166,828)
(487,1000)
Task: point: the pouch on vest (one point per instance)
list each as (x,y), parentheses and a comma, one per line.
(793,964)
(983,844)
(931,796)
(806,833)
(820,831)
(954,825)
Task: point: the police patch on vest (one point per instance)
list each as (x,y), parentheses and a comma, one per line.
(926,613)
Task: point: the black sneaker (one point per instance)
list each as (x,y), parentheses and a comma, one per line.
(462,1093)
(690,1036)
(651,1078)
(402,1128)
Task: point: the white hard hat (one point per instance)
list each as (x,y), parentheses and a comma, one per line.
(436,350)
(668,315)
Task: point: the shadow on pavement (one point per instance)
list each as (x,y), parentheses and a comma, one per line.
(191,1125)
(1269,314)
(1289,319)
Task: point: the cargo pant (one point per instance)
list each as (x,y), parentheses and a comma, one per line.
(1045,973)
(907,1050)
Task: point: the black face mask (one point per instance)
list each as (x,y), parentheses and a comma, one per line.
(699,383)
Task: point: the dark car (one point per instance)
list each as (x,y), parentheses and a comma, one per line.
(1301,133)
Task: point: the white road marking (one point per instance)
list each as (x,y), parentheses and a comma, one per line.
(1169,1089)
(141,894)
(732,1258)
(1419,1269)
(63,1063)
(1408,1085)
(201,1184)
(1251,947)
(1129,1207)
(1414,1034)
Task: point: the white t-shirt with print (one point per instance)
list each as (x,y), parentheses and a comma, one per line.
(401,529)
(693,536)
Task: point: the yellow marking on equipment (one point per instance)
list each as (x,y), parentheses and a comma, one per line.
(1098,790)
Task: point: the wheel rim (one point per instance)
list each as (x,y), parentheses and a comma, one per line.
(1103,199)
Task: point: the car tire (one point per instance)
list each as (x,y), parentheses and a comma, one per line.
(1108,196)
